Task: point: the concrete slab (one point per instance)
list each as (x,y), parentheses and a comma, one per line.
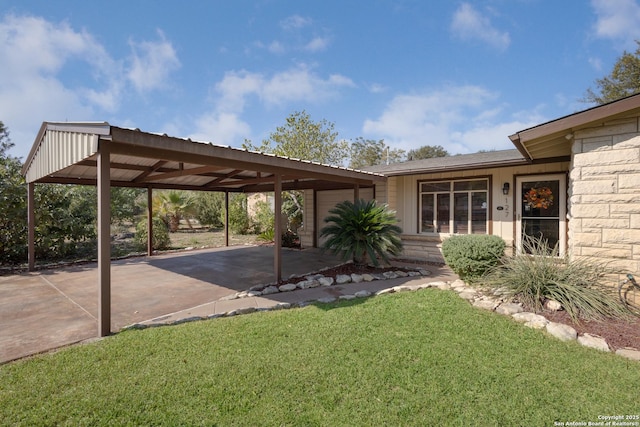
(50,309)
(53,308)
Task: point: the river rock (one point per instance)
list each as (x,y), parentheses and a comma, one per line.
(593,341)
(561,331)
(341,279)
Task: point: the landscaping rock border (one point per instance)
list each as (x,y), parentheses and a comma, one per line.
(476,297)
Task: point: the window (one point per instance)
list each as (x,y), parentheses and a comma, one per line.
(454,206)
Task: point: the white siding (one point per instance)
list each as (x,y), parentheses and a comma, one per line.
(328,199)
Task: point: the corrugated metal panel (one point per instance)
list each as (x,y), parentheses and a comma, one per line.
(58,150)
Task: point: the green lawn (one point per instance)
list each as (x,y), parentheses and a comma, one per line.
(420,358)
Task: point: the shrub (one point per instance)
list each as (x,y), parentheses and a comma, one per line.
(362,229)
(239,220)
(267,235)
(263,217)
(538,274)
(290,239)
(160,239)
(470,256)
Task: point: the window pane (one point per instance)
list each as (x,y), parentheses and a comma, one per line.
(541,199)
(545,229)
(461,213)
(443,213)
(479,213)
(427,224)
(434,187)
(470,185)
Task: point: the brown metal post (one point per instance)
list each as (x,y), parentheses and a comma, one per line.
(31,224)
(226,218)
(277,227)
(356,193)
(104,240)
(149,221)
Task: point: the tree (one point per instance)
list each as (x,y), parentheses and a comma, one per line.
(623,81)
(172,206)
(369,152)
(362,229)
(209,207)
(427,152)
(302,138)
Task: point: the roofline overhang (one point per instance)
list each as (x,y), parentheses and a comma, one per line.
(570,122)
(454,168)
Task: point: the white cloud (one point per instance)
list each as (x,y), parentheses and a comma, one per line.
(617,19)
(152,63)
(294,22)
(462,119)
(221,128)
(317,44)
(469,24)
(232,94)
(276,47)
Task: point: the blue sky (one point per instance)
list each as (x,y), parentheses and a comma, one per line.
(461,74)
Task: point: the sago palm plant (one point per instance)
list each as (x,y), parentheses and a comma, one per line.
(360,230)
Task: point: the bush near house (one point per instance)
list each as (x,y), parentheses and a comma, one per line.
(470,256)
(160,240)
(537,273)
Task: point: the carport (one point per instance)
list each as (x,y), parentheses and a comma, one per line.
(104,155)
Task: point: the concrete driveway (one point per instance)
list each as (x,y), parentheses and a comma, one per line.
(49,309)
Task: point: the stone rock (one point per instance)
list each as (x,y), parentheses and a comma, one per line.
(242,294)
(270,290)
(245,310)
(254,293)
(326,300)
(325,281)
(356,278)
(314,277)
(229,297)
(256,288)
(378,276)
(424,272)
(341,279)
(536,324)
(347,297)
(458,284)
(282,305)
(368,277)
(390,275)
(187,320)
(215,315)
(436,284)
(561,331)
(468,295)
(306,284)
(593,341)
(552,305)
(413,273)
(486,304)
(385,291)
(287,287)
(363,294)
(529,317)
(401,273)
(443,286)
(629,353)
(509,308)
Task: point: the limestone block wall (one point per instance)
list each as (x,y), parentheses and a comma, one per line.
(604,194)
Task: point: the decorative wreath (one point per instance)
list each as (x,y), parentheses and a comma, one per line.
(539,197)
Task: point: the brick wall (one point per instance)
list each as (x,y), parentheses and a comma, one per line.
(604,194)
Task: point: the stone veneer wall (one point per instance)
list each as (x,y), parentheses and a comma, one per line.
(604,194)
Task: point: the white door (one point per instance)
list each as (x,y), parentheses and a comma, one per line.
(541,209)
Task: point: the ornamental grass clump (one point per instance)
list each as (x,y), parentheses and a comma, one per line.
(471,255)
(360,230)
(538,274)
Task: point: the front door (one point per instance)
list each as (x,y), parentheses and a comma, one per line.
(541,210)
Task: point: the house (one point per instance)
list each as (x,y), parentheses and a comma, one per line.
(575,181)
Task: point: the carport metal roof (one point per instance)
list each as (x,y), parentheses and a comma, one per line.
(99,154)
(67,153)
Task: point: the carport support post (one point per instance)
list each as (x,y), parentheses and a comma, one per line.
(277,228)
(226,218)
(149,221)
(31,224)
(104,240)
(356,193)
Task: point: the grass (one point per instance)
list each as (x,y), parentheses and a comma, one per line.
(212,239)
(423,358)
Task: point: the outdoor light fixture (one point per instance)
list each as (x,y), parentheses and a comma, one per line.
(505,188)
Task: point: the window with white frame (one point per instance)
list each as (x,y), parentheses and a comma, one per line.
(458,206)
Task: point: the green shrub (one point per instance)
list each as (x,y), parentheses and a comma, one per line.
(263,217)
(239,220)
(538,274)
(267,235)
(290,239)
(470,256)
(160,240)
(362,230)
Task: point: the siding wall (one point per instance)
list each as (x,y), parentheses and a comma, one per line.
(604,191)
(403,197)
